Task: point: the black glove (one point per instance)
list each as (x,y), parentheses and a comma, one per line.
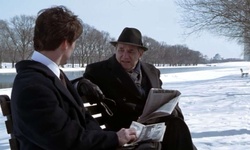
(90,90)
(93,94)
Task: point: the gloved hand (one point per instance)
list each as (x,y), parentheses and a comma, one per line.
(90,90)
(93,94)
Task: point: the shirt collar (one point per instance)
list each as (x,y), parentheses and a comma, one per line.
(37,56)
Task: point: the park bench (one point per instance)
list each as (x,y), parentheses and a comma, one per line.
(5,101)
(6,110)
(243,73)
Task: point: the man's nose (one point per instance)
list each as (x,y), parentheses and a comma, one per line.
(125,54)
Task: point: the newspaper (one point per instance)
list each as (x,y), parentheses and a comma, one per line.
(160,102)
(151,132)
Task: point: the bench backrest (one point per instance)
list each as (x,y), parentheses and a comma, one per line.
(95,111)
(6,110)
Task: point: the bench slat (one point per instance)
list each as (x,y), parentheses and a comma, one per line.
(9,126)
(95,111)
(13,144)
(5,105)
(6,110)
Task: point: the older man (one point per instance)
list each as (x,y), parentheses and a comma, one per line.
(127,80)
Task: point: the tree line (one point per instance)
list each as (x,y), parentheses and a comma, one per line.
(16,43)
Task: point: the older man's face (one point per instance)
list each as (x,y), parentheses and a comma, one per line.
(128,55)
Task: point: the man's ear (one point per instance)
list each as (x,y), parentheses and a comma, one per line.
(64,45)
(141,51)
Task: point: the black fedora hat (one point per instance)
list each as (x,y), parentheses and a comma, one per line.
(131,36)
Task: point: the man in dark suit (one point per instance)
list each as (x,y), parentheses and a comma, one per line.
(48,114)
(127,80)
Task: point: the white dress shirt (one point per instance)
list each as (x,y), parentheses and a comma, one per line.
(36,56)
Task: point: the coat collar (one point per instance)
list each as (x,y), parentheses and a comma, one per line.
(153,78)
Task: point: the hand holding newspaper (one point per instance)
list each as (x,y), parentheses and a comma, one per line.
(160,102)
(152,132)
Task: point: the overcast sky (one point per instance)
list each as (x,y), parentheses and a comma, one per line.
(158,19)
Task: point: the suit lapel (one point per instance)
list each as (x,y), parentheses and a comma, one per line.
(71,96)
(69,92)
(72,92)
(152,76)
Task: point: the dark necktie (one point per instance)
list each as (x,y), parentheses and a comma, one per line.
(62,78)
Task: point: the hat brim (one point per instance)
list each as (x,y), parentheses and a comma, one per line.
(114,43)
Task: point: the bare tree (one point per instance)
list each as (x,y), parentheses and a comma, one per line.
(7,47)
(2,43)
(21,33)
(92,46)
(16,37)
(228,18)
(154,49)
(106,49)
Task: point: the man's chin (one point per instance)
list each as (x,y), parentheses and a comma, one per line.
(127,68)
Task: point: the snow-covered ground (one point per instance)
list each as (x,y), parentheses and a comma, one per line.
(215,103)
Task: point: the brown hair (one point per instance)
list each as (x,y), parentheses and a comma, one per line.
(53,26)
